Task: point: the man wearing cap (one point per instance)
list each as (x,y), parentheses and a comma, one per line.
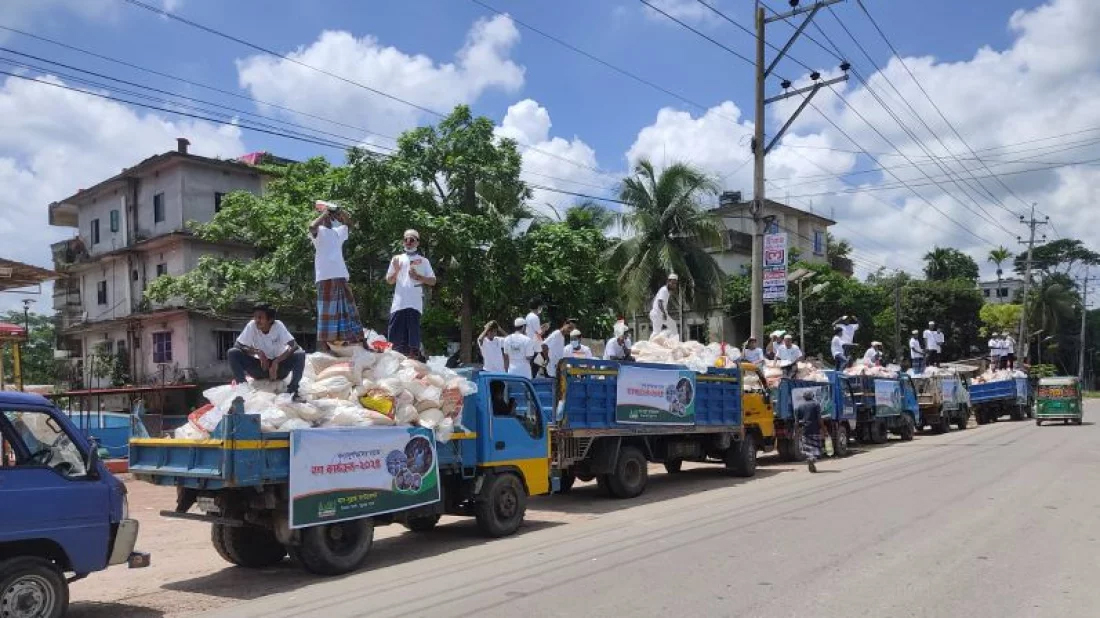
(837,348)
(933,341)
(553,345)
(658,313)
(337,316)
(409,272)
(774,341)
(848,326)
(576,349)
(616,348)
(996,351)
(519,348)
(1010,350)
(873,356)
(916,352)
(788,352)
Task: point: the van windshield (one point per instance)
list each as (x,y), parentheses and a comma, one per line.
(45,443)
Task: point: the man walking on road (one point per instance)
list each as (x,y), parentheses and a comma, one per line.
(808,413)
(408,273)
(658,313)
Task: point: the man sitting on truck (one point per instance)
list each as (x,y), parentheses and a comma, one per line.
(266,350)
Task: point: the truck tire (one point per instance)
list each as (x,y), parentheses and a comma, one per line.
(247,546)
(335,549)
(673,466)
(783,447)
(908,428)
(841,447)
(32,586)
(962,422)
(741,457)
(631,474)
(566,482)
(1017,413)
(422,523)
(944,424)
(1038,422)
(502,505)
(980,416)
(877,432)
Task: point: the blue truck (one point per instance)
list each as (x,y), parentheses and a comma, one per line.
(837,412)
(63,515)
(992,400)
(883,406)
(611,419)
(943,401)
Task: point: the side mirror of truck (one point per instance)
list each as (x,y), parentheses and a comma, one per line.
(95,453)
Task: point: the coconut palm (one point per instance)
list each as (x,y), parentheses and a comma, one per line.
(667,230)
(999,256)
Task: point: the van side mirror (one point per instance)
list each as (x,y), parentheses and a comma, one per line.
(94,455)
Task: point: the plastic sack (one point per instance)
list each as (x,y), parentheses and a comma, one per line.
(187,431)
(416,387)
(404,398)
(220,396)
(336,387)
(342,369)
(380,400)
(431,418)
(427,405)
(347,415)
(273,387)
(466,387)
(452,401)
(206,418)
(318,362)
(255,402)
(444,431)
(361,362)
(388,365)
(436,380)
(295,423)
(391,385)
(431,393)
(406,415)
(272,419)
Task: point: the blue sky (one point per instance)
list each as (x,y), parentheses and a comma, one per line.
(1002,71)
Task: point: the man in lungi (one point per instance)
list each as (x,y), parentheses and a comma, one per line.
(409,272)
(337,316)
(808,413)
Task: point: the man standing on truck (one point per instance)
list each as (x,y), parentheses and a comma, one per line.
(916,353)
(658,313)
(808,413)
(554,345)
(837,349)
(1010,350)
(408,273)
(266,350)
(520,350)
(996,353)
(492,348)
(848,326)
(933,344)
(337,316)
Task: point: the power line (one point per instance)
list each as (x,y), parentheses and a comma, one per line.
(705,36)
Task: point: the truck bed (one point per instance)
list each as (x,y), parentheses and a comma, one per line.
(1004,390)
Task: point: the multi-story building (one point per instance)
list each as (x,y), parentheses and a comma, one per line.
(1002,291)
(131,229)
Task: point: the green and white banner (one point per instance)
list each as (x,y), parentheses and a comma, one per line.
(645,396)
(338,474)
(887,398)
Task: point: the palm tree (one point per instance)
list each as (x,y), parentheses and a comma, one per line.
(999,256)
(667,230)
(589,215)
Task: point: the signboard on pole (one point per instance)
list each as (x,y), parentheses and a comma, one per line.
(775,267)
(349,473)
(645,396)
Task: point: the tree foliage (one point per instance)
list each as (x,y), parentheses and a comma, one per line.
(37,353)
(998,318)
(945,264)
(839,252)
(1059,256)
(999,256)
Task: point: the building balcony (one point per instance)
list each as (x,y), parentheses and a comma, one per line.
(69,252)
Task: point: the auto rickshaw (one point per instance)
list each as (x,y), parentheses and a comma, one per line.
(1058,399)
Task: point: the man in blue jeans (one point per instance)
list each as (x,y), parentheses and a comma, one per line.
(266,350)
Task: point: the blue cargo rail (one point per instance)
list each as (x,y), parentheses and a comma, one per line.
(992,400)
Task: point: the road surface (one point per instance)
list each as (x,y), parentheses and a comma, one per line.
(1001,520)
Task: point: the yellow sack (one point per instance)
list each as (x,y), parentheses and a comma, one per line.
(379,400)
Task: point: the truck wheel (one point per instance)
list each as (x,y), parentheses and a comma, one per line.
(1017,414)
(32,586)
(673,466)
(247,546)
(783,447)
(1038,422)
(790,450)
(631,474)
(979,417)
(566,482)
(502,505)
(840,441)
(962,422)
(335,549)
(878,432)
(907,428)
(423,523)
(741,457)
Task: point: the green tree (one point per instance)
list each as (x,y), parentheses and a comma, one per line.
(954,305)
(668,231)
(998,318)
(37,353)
(1059,256)
(839,252)
(945,264)
(589,215)
(999,256)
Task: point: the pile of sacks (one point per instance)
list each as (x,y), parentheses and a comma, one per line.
(999,375)
(365,389)
(889,371)
(932,372)
(665,347)
(774,371)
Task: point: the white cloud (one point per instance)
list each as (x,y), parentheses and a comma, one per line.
(685,10)
(23,13)
(54,142)
(567,165)
(171,5)
(1045,83)
(482,64)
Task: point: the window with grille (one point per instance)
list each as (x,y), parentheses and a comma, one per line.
(162,347)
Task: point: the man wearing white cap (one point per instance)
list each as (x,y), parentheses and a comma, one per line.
(576,349)
(520,349)
(788,352)
(1010,350)
(774,341)
(409,272)
(658,313)
(933,342)
(916,352)
(873,356)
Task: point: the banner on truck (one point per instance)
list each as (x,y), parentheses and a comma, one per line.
(823,395)
(887,398)
(346,473)
(646,396)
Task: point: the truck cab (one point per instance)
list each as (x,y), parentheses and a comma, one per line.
(62,511)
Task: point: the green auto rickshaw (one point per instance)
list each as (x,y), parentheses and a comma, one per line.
(1058,399)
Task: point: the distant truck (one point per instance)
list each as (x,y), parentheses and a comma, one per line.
(992,400)
(943,401)
(837,412)
(63,515)
(883,406)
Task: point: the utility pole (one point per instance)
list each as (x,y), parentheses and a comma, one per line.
(759,150)
(1084,316)
(1032,223)
(897,318)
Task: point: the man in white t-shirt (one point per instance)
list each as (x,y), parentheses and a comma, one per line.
(933,341)
(554,344)
(916,353)
(409,272)
(658,313)
(337,316)
(519,349)
(1010,350)
(533,330)
(788,352)
(996,351)
(576,349)
(616,349)
(836,348)
(753,353)
(873,356)
(848,326)
(266,350)
(492,348)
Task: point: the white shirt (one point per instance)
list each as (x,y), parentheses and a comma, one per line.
(915,351)
(1010,345)
(534,326)
(492,351)
(555,343)
(581,351)
(847,333)
(614,350)
(837,346)
(272,343)
(519,349)
(996,348)
(409,294)
(754,356)
(872,356)
(932,340)
(792,353)
(328,262)
(662,297)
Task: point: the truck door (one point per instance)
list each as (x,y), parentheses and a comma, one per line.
(46,492)
(517,434)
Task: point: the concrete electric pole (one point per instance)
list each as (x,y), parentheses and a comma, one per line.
(759,150)
(1032,223)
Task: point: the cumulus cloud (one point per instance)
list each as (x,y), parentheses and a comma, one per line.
(686,10)
(54,142)
(482,64)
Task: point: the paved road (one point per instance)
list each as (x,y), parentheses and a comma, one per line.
(1002,520)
